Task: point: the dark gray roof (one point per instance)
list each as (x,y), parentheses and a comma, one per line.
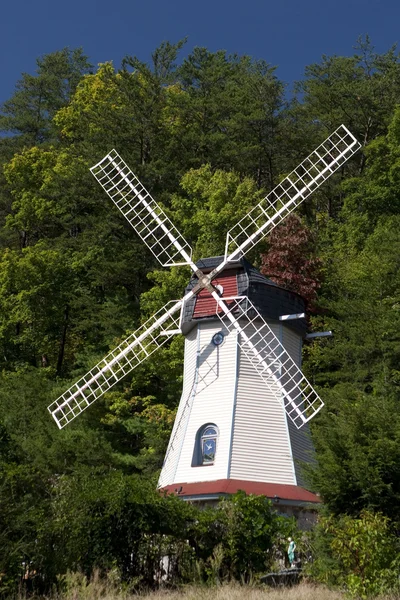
(208,264)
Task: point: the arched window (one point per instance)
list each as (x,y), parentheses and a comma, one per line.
(205,445)
(209,438)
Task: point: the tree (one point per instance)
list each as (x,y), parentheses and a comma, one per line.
(205,137)
(29,112)
(56,210)
(356,440)
(360,91)
(356,437)
(360,554)
(213,202)
(35,297)
(34,456)
(225,111)
(290,260)
(376,194)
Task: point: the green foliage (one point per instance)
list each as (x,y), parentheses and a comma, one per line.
(360,297)
(236,539)
(29,112)
(214,201)
(357,443)
(221,102)
(104,519)
(253,528)
(376,195)
(360,90)
(357,435)
(361,555)
(35,291)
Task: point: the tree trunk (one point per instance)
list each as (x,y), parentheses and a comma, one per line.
(62,341)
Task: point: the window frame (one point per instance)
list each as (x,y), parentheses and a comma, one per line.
(201,439)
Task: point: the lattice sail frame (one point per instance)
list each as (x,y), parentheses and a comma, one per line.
(153,334)
(296,187)
(270,359)
(139,208)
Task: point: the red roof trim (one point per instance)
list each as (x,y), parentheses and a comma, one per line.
(230,486)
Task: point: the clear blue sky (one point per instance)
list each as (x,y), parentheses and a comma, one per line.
(287,33)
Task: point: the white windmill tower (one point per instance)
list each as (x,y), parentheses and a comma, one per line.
(244,396)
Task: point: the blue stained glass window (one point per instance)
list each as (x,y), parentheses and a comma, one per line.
(208,444)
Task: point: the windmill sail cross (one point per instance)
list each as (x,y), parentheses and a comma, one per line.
(170,248)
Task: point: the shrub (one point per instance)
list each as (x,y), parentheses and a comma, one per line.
(360,554)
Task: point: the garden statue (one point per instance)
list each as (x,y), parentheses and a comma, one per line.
(291,552)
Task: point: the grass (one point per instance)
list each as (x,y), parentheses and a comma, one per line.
(97,589)
(235,592)
(78,588)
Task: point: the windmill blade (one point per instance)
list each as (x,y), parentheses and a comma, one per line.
(135,349)
(136,204)
(297,186)
(270,359)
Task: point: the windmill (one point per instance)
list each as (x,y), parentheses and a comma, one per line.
(239,320)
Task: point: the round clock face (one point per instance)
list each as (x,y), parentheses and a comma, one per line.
(218,338)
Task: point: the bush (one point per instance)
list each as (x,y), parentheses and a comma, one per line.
(359,554)
(240,536)
(102,520)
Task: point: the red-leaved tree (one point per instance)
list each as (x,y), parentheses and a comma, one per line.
(291,262)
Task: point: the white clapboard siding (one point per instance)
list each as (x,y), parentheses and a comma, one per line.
(302,447)
(167,475)
(257,441)
(261,449)
(213,403)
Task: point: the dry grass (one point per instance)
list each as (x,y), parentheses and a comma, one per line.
(235,592)
(97,590)
(77,587)
(101,590)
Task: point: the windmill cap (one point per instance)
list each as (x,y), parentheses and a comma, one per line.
(240,278)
